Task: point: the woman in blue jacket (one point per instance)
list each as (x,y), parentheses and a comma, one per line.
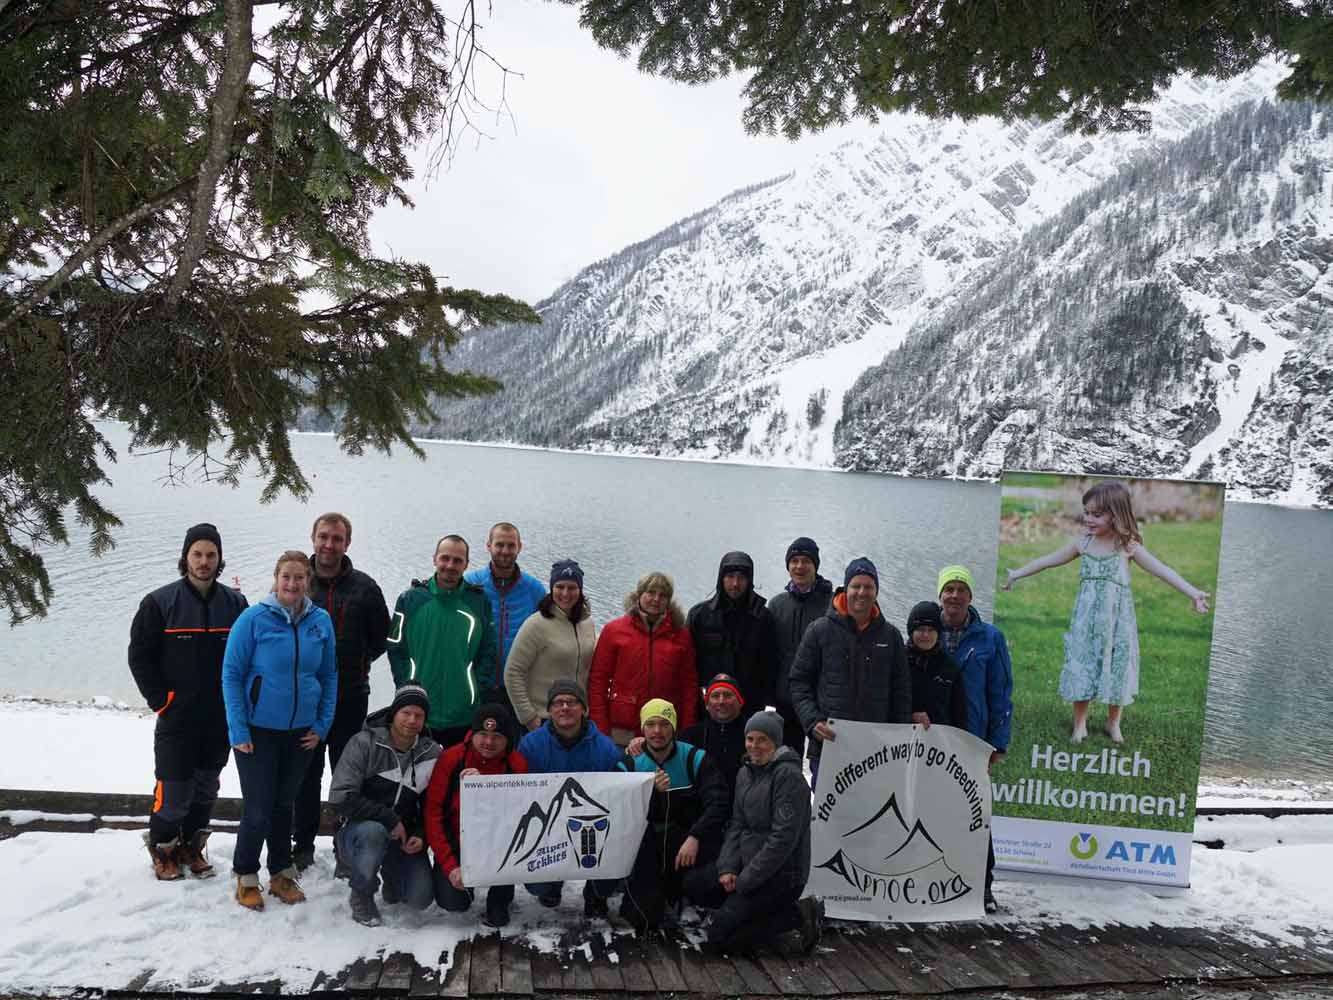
(279,683)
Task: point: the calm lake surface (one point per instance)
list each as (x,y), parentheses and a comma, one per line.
(1271,688)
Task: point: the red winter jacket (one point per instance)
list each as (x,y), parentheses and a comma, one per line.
(632,665)
(442,799)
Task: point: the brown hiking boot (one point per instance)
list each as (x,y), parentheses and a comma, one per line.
(285,887)
(248,893)
(166,864)
(192,854)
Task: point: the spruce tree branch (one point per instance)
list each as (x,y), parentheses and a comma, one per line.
(239,49)
(94,246)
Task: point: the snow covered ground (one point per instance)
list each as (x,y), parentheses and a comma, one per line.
(84,910)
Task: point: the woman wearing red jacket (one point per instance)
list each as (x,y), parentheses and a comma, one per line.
(484,750)
(645,654)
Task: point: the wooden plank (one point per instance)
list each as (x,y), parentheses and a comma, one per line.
(1317,943)
(1123,961)
(1287,959)
(1217,965)
(993,952)
(396,973)
(891,948)
(728,980)
(426,978)
(754,977)
(329,983)
(693,968)
(781,970)
(364,974)
(135,985)
(818,982)
(515,968)
(546,974)
(484,979)
(1235,949)
(1165,963)
(846,956)
(605,973)
(1060,957)
(633,970)
(662,967)
(575,970)
(955,964)
(456,978)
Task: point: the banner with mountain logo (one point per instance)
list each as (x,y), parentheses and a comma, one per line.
(900,824)
(550,827)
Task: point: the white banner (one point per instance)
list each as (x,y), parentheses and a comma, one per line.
(900,824)
(1089,850)
(517,828)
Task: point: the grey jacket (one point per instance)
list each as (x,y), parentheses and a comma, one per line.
(768,838)
(374,780)
(843,673)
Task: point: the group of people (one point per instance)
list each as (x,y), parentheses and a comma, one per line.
(497,672)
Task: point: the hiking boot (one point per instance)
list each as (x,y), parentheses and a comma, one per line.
(166,863)
(248,893)
(364,910)
(595,906)
(812,923)
(991,905)
(497,913)
(194,856)
(285,887)
(342,870)
(303,858)
(551,902)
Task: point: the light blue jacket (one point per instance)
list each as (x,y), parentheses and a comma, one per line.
(280,674)
(510,607)
(988,680)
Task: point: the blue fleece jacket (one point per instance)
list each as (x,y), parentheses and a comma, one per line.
(510,607)
(593,751)
(278,673)
(988,680)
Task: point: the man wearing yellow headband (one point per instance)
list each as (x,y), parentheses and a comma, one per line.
(686,818)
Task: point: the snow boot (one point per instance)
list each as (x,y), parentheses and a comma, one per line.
(248,893)
(364,910)
(193,854)
(812,923)
(285,887)
(497,912)
(166,861)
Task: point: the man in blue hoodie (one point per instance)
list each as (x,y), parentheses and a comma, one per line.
(988,678)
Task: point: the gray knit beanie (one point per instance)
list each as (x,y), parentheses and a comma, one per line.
(768,723)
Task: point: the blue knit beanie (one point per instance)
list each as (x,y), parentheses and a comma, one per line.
(861,566)
(803,547)
(566,569)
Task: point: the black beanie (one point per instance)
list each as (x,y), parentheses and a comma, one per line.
(564,686)
(203,532)
(494,717)
(861,566)
(409,694)
(925,613)
(803,547)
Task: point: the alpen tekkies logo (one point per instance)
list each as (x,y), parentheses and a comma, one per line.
(573,822)
(1083,846)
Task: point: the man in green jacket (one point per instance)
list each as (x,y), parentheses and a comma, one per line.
(443,638)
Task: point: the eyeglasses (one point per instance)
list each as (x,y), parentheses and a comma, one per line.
(566,703)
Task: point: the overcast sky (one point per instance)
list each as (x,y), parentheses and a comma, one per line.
(592,156)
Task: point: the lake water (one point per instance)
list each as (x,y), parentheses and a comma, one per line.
(1271,689)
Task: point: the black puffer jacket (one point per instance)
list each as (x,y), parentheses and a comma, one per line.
(724,742)
(768,838)
(360,621)
(843,673)
(793,613)
(937,686)
(737,637)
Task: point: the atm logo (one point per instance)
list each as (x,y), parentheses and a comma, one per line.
(1083,846)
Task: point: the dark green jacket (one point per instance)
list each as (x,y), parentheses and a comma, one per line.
(444,640)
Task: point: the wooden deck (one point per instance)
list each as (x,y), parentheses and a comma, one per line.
(854,960)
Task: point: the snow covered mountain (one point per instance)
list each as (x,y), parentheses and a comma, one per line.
(737,332)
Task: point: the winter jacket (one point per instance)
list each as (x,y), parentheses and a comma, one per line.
(737,638)
(590,750)
(360,617)
(374,780)
(793,612)
(988,678)
(511,604)
(842,672)
(547,650)
(177,642)
(937,686)
(633,664)
(280,673)
(443,801)
(445,641)
(696,804)
(768,836)
(724,742)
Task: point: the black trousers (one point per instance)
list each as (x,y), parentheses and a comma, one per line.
(348,717)
(188,755)
(655,883)
(793,734)
(742,919)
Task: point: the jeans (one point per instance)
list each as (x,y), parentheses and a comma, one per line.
(348,718)
(270,776)
(366,848)
(592,889)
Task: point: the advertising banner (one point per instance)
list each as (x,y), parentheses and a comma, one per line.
(550,827)
(900,824)
(1105,598)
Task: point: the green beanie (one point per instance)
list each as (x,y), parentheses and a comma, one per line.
(951,574)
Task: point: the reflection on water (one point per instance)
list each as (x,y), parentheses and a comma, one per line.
(1269,698)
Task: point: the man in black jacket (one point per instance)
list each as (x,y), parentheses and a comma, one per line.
(733,633)
(851,664)
(804,601)
(177,641)
(721,734)
(361,624)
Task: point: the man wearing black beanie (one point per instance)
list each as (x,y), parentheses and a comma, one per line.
(804,601)
(177,641)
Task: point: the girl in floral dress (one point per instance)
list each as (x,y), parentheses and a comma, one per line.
(1102,644)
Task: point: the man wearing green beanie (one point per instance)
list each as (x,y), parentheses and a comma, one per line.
(988,680)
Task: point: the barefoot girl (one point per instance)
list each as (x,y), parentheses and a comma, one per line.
(1102,644)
